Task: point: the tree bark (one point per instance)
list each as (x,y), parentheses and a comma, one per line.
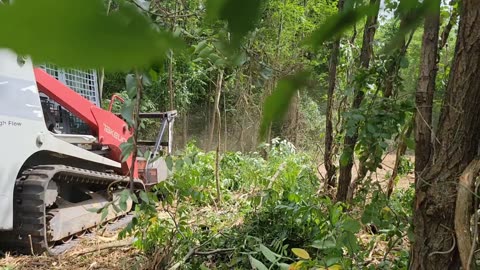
(219,139)
(350,141)
(426,89)
(218,92)
(458,140)
(332,79)
(185,129)
(463,213)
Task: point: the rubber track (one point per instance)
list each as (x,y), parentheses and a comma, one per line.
(29,233)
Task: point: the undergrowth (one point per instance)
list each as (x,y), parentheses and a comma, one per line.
(272,214)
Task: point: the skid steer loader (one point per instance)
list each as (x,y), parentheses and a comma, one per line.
(50,181)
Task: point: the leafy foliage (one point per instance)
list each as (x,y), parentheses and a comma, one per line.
(62,35)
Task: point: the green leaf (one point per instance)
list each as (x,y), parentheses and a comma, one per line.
(324,244)
(81,34)
(131,85)
(127,111)
(144,196)
(413,13)
(351,225)
(283,266)
(350,241)
(200,46)
(345,158)
(134,198)
(270,255)
(169,162)
(276,105)
(410,143)
(104,213)
(116,208)
(203,267)
(301,253)
(242,16)
(335,25)
(256,264)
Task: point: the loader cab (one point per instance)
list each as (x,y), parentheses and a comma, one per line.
(58,119)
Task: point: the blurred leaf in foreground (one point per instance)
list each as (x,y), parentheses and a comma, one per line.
(80,34)
(339,23)
(241,16)
(276,105)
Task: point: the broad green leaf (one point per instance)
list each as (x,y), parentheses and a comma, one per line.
(131,85)
(410,143)
(116,208)
(144,196)
(301,253)
(104,213)
(283,266)
(351,225)
(203,267)
(127,111)
(256,264)
(169,162)
(127,149)
(241,16)
(335,25)
(270,255)
(324,244)
(276,105)
(344,158)
(81,34)
(200,46)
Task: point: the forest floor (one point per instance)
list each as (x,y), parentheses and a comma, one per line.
(85,254)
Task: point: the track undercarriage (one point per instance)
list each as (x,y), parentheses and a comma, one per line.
(54,203)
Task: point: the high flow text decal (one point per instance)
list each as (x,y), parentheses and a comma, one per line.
(4,123)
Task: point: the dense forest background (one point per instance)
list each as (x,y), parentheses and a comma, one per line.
(287,110)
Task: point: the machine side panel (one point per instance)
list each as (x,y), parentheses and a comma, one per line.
(23,131)
(21,119)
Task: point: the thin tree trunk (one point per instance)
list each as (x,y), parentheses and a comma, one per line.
(219,132)
(350,141)
(401,149)
(458,140)
(185,128)
(463,213)
(446,31)
(225,133)
(171,90)
(332,79)
(218,92)
(425,90)
(136,126)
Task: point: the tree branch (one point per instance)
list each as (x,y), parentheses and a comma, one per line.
(463,212)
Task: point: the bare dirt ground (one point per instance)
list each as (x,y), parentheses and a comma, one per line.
(383,174)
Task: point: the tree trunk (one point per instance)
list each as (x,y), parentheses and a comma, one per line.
(458,139)
(332,79)
(446,31)
(185,128)
(219,138)
(350,141)
(426,89)
(213,123)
